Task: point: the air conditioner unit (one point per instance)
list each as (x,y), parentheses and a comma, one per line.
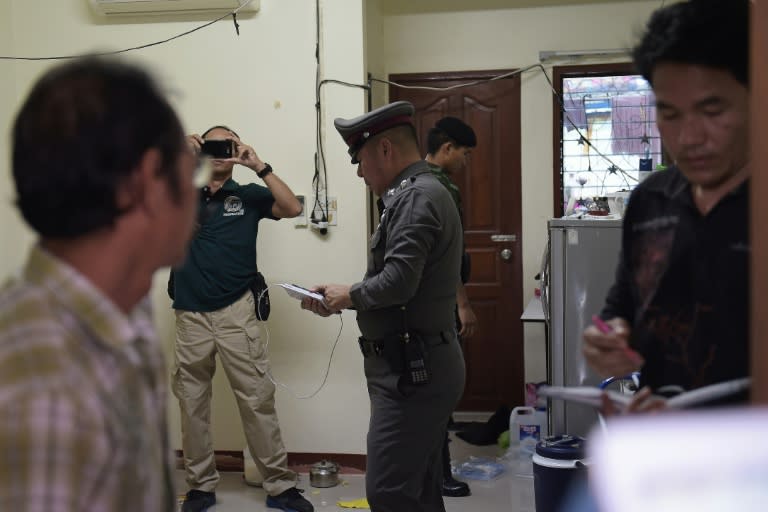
(112,8)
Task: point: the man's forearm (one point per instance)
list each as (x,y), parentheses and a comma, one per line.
(286,204)
(461,296)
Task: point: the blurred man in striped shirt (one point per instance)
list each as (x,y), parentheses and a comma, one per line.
(104,178)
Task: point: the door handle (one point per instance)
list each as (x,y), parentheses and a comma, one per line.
(503,238)
(506,254)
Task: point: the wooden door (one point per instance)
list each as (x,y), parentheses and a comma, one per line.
(758,205)
(491,197)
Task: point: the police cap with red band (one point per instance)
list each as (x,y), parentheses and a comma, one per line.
(359,130)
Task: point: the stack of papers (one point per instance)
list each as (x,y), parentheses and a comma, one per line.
(591,396)
(297,292)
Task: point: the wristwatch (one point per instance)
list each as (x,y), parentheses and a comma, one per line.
(266,170)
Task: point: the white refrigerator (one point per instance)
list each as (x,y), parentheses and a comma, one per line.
(578,268)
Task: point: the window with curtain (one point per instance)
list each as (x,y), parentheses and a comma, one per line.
(605,132)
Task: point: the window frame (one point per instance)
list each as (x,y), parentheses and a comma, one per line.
(558,74)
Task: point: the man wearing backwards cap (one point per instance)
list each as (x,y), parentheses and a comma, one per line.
(405,311)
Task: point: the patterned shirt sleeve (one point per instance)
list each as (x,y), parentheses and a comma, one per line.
(54,457)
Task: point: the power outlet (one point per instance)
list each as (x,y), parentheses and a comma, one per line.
(332,211)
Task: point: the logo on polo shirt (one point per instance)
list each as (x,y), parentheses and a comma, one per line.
(233,205)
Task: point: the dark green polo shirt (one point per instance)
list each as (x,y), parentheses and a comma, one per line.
(443,178)
(221,262)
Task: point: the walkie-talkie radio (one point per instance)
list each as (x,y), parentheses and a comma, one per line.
(415,352)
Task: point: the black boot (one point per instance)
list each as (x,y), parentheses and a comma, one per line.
(451,486)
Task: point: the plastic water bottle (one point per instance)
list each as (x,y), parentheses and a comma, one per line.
(541,414)
(525,429)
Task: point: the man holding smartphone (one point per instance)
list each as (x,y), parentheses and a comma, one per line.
(216,314)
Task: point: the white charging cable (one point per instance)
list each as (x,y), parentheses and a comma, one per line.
(266,349)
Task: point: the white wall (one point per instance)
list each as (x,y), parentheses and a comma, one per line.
(512,39)
(262,84)
(13,233)
(375,49)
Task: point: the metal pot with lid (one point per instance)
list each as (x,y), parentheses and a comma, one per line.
(324,474)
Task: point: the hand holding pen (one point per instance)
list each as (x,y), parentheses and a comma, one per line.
(606,347)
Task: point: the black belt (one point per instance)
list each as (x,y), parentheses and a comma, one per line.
(377,347)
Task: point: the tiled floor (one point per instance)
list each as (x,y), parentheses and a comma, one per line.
(504,493)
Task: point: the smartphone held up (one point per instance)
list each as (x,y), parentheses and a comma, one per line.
(218,148)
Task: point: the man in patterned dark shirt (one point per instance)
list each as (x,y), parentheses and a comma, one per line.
(679,309)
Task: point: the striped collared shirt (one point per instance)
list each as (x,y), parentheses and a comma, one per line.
(82,398)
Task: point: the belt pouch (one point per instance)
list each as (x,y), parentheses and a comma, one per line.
(261,296)
(365,347)
(393,353)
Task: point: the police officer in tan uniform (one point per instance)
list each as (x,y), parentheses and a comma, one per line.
(405,310)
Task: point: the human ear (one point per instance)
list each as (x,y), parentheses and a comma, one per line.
(138,188)
(386,146)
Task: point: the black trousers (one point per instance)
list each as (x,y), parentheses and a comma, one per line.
(407,432)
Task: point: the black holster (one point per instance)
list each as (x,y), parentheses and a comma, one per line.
(260,296)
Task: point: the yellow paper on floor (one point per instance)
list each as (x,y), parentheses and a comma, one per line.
(361,503)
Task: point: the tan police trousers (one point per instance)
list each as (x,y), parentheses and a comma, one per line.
(233,333)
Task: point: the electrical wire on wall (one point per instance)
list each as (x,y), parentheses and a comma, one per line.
(267,338)
(320,175)
(322,222)
(539,66)
(232,13)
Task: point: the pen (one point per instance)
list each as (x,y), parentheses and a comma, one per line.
(601,325)
(605,329)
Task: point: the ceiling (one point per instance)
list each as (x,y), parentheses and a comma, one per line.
(389,7)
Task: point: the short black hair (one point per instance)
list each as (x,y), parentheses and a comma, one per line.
(402,135)
(711,33)
(450,129)
(221,127)
(82,130)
